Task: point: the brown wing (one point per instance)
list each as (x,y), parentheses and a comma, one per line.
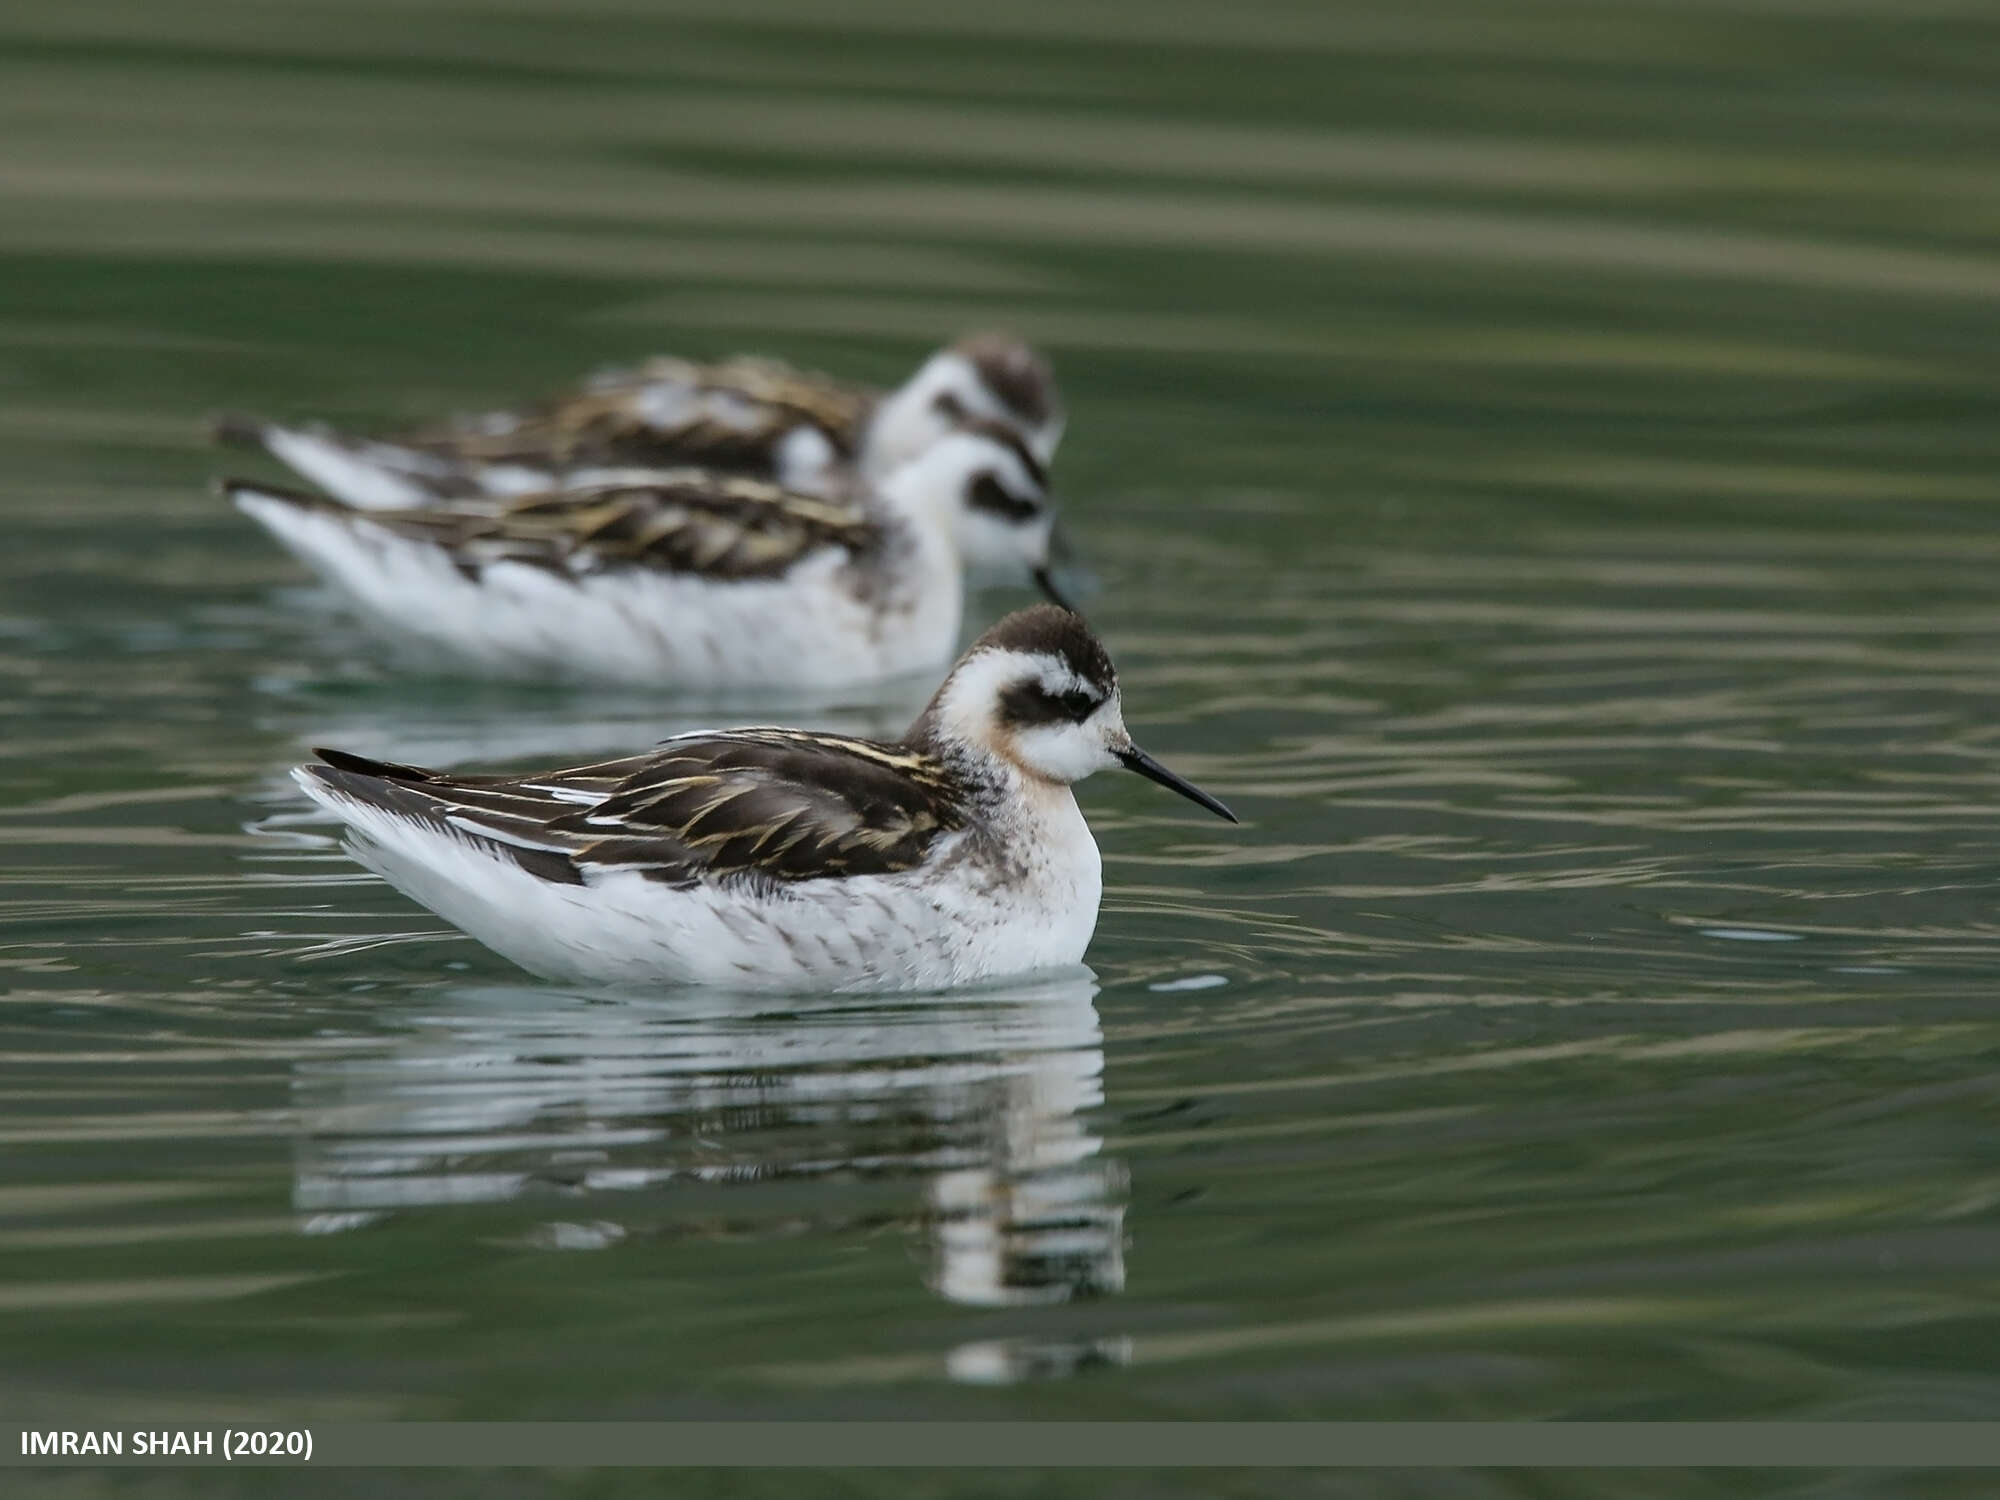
(772,804)
(777,803)
(677,521)
(729,416)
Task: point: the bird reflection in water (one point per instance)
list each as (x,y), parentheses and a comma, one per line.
(612,1105)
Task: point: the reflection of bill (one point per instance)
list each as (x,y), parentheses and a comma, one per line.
(505,1095)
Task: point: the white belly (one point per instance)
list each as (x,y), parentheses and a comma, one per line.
(959,920)
(807,629)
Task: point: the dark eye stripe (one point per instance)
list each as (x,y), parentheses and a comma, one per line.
(1029,703)
(987,494)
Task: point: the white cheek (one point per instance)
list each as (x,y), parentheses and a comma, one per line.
(989,542)
(1070,752)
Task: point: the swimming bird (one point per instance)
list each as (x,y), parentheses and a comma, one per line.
(683,577)
(767,858)
(805,431)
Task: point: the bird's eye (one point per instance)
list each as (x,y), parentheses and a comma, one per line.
(1074,704)
(1030,703)
(988,494)
(948,406)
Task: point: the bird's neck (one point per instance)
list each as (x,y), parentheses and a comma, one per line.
(992,784)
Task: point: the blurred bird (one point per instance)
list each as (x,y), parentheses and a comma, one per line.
(778,858)
(684,577)
(747,415)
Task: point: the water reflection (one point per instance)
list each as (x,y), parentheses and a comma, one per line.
(633,1113)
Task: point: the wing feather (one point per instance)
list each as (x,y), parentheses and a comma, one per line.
(731,415)
(685,521)
(761,804)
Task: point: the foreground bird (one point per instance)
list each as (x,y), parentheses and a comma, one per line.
(804,431)
(778,858)
(684,577)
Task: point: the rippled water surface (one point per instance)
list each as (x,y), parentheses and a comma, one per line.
(1538,465)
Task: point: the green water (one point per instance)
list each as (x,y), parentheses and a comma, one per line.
(1539,463)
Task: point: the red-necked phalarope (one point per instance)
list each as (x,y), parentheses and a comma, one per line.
(684,577)
(805,431)
(778,858)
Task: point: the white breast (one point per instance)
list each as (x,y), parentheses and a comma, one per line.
(1037,907)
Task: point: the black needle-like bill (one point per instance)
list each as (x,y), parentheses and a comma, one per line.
(1138,760)
(1048,586)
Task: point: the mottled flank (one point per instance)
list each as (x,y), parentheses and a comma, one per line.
(681,521)
(783,805)
(1014,372)
(731,415)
